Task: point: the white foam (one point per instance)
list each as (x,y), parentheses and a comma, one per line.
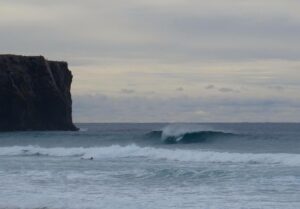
(185,155)
(178,130)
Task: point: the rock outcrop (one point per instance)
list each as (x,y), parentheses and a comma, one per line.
(34,94)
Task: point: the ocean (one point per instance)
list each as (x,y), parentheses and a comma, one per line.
(153,166)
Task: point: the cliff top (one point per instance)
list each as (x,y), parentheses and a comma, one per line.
(12,57)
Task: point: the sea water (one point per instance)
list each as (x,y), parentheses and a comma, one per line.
(140,166)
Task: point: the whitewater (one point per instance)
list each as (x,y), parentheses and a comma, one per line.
(209,166)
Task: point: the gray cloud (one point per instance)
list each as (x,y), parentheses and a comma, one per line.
(127,91)
(180,89)
(210,86)
(226,90)
(182,32)
(99,108)
(158,46)
(222,89)
(278,88)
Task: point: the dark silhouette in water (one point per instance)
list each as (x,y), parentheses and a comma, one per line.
(91,158)
(34,94)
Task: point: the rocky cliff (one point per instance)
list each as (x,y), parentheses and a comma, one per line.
(34,94)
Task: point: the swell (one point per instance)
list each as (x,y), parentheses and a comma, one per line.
(189,137)
(133,151)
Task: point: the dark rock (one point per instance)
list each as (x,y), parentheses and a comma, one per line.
(34,94)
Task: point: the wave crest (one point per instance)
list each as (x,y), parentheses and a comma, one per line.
(183,155)
(176,133)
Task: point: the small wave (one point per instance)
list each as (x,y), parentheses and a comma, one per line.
(184,155)
(175,133)
(83,129)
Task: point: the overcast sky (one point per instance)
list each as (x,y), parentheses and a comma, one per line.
(167,60)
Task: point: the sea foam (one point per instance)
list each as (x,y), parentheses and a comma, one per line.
(184,155)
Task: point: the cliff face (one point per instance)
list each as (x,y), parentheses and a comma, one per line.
(34,94)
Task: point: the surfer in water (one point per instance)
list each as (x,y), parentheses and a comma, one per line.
(91,158)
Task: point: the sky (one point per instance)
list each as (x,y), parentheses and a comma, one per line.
(167,60)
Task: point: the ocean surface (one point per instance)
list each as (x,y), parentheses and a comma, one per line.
(141,166)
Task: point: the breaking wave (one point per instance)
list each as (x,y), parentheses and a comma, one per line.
(129,151)
(173,134)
